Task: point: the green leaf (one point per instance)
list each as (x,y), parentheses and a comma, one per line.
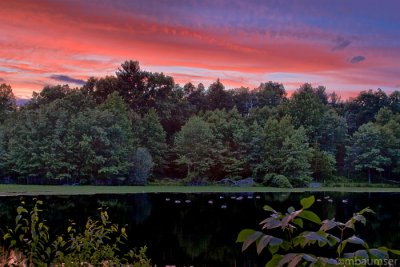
(271,223)
(360,254)
(275,241)
(296,260)
(268,208)
(18,218)
(251,239)
(21,209)
(366,210)
(298,222)
(356,240)
(309,258)
(274,261)
(309,215)
(287,258)
(307,202)
(273,249)
(378,254)
(314,236)
(327,225)
(6,236)
(350,224)
(360,218)
(263,242)
(242,236)
(394,251)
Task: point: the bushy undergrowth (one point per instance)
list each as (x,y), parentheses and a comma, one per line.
(100,243)
(301,238)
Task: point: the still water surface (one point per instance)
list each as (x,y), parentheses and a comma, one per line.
(201,229)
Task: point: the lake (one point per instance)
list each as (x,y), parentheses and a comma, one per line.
(200,229)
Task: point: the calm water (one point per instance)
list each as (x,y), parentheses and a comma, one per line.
(201,229)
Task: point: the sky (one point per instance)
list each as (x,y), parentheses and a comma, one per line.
(347,46)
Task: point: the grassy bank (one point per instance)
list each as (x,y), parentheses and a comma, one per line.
(12,190)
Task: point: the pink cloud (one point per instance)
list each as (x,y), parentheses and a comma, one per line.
(68,38)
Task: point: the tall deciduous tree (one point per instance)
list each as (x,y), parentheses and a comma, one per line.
(286,152)
(307,108)
(366,150)
(153,137)
(193,145)
(270,94)
(230,132)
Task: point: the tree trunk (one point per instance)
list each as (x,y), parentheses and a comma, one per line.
(369,176)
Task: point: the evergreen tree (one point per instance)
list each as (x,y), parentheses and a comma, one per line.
(7,101)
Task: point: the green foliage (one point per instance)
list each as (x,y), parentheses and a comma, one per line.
(90,134)
(100,243)
(30,235)
(193,145)
(7,101)
(281,181)
(153,137)
(289,238)
(285,151)
(323,165)
(365,152)
(229,130)
(307,108)
(142,167)
(218,98)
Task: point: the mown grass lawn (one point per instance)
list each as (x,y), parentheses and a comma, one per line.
(10,190)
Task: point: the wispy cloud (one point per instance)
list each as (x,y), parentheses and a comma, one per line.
(341,43)
(69,40)
(357,59)
(2,80)
(67,79)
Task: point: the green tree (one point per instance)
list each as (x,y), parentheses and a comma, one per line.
(196,97)
(144,90)
(307,108)
(285,151)
(35,146)
(153,137)
(364,107)
(218,97)
(48,95)
(366,150)
(7,101)
(270,94)
(389,125)
(244,99)
(230,132)
(193,145)
(323,165)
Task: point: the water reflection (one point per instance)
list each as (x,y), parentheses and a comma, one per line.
(201,229)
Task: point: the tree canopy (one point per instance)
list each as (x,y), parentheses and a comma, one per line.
(136,125)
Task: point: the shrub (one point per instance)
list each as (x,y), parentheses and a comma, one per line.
(99,244)
(281,181)
(290,243)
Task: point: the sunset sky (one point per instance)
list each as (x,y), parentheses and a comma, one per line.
(346,46)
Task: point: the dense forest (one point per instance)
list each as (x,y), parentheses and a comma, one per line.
(139,125)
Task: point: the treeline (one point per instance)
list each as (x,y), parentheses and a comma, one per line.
(127,128)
